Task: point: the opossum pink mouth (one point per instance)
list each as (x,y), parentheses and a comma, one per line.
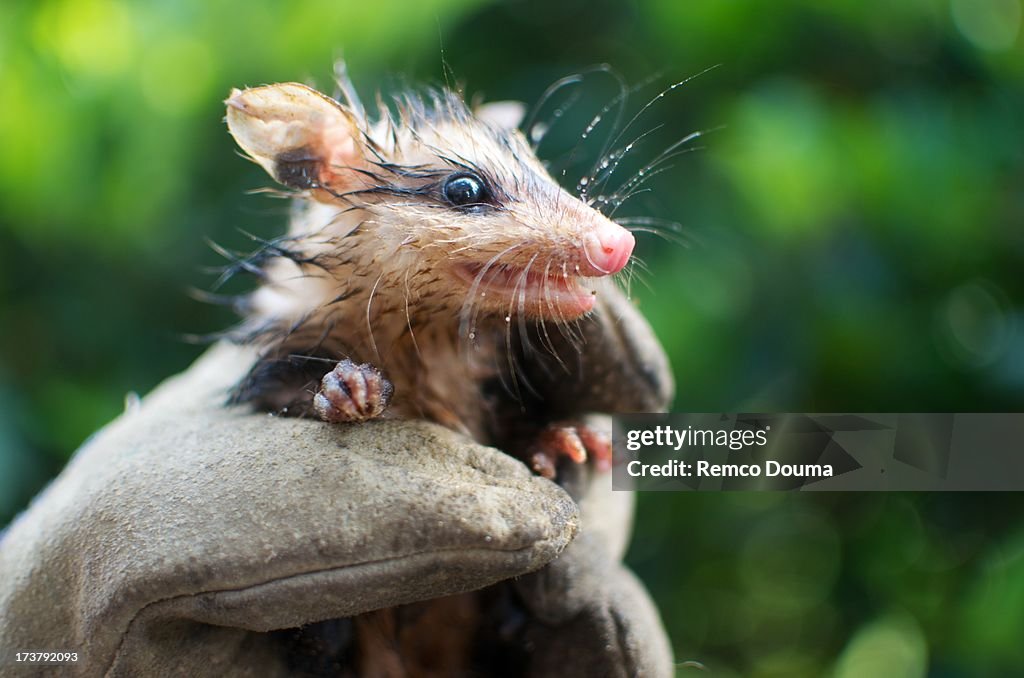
(557,296)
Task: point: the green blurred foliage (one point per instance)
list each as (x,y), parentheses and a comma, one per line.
(853,239)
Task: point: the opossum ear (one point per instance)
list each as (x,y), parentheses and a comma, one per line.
(304,139)
(505,115)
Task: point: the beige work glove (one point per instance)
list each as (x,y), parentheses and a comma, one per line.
(184,531)
(590,615)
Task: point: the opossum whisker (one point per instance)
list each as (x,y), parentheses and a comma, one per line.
(468,314)
(546,296)
(561,321)
(532,128)
(408,317)
(513,368)
(672,151)
(585,182)
(619,198)
(623,199)
(608,165)
(673,238)
(637,270)
(620,102)
(524,335)
(643,176)
(657,97)
(612,161)
(596,120)
(516,373)
(552,310)
(521,306)
(626,278)
(653,222)
(369,316)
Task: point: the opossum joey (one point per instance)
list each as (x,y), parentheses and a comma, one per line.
(443,273)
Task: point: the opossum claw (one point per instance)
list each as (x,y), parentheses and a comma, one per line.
(351,393)
(576,441)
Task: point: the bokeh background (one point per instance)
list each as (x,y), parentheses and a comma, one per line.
(851,239)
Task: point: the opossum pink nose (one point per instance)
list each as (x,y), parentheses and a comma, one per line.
(608,248)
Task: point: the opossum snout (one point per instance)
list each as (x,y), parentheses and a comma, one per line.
(607,248)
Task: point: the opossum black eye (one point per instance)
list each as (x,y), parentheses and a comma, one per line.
(464,190)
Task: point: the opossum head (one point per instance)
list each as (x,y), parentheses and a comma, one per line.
(449,205)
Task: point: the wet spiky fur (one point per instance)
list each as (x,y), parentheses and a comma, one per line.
(364,274)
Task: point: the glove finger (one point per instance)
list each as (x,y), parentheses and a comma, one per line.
(621,636)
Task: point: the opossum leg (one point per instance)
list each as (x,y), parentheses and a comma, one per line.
(575,440)
(352,392)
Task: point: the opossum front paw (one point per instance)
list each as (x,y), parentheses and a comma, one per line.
(352,392)
(578,442)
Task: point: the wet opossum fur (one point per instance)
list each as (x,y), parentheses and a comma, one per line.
(431,243)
